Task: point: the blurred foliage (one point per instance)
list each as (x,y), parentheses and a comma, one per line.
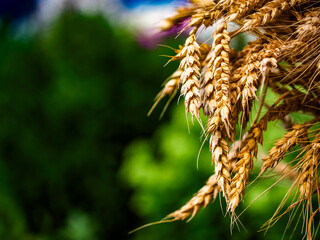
(72,96)
(163,171)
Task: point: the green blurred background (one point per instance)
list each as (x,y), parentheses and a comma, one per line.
(80,159)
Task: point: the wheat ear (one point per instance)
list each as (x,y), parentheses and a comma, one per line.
(268,13)
(249,150)
(170,88)
(240,8)
(283,145)
(258,66)
(219,124)
(191,71)
(203,197)
(308,179)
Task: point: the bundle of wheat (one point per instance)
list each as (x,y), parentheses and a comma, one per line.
(284,58)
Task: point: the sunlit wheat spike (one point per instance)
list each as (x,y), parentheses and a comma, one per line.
(244,165)
(202,198)
(190,76)
(283,145)
(237,74)
(308,177)
(216,101)
(170,88)
(221,75)
(267,13)
(219,149)
(257,68)
(241,7)
(249,150)
(215,78)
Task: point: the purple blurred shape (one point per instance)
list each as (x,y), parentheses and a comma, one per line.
(135,3)
(150,39)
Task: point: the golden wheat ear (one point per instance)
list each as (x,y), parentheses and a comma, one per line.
(285,60)
(308,177)
(170,88)
(266,14)
(190,75)
(203,197)
(283,145)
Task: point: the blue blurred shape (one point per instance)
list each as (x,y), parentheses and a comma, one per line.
(16,9)
(135,3)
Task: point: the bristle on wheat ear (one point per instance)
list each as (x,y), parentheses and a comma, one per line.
(223,84)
